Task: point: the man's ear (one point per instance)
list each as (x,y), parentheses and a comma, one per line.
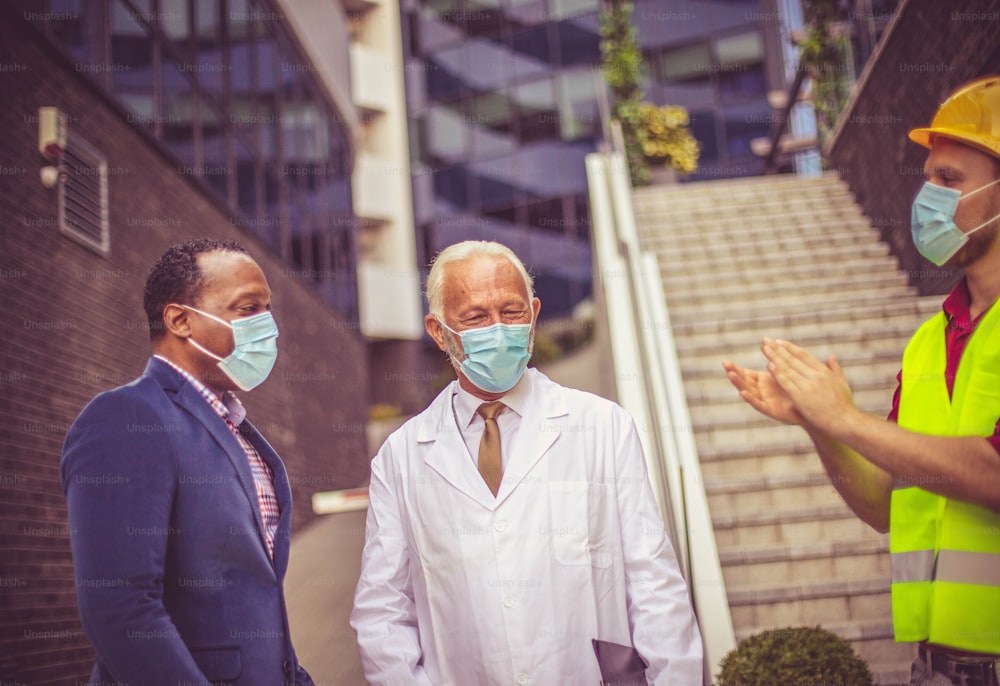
(435,331)
(175,320)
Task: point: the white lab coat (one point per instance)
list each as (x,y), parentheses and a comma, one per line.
(459,588)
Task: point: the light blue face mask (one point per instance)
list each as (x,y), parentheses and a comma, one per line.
(495,356)
(255,350)
(932,222)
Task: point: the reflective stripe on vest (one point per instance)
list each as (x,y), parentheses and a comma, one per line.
(957,566)
(946,553)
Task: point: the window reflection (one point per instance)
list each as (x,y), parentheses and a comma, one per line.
(175,121)
(220,85)
(131,66)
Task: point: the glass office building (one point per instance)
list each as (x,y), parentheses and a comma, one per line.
(222,87)
(503,109)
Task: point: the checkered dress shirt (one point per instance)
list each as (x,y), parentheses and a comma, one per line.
(233,413)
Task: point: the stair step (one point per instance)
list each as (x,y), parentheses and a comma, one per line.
(788,459)
(848,336)
(756,566)
(783,276)
(837,287)
(803,299)
(811,604)
(836,315)
(865,253)
(829,522)
(741,234)
(789,258)
(817,494)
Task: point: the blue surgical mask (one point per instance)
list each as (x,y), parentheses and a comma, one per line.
(255,350)
(495,356)
(932,222)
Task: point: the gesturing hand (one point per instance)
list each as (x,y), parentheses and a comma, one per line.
(819,392)
(763,393)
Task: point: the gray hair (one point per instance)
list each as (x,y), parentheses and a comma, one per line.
(466,250)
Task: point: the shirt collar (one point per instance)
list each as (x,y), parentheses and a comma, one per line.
(516,399)
(957,307)
(228,407)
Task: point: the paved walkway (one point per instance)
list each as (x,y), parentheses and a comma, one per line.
(319,589)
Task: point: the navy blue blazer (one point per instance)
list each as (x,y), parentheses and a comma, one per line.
(173,579)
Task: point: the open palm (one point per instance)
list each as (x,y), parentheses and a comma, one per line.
(763,393)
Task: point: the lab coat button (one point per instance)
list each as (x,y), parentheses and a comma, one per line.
(508,601)
(521,679)
(500,526)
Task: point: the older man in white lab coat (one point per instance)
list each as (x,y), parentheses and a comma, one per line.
(496,567)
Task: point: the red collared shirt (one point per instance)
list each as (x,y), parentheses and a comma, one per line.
(232,412)
(957,334)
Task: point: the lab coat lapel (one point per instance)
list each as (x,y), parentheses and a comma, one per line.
(541,425)
(447,453)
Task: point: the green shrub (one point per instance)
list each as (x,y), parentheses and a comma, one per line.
(799,656)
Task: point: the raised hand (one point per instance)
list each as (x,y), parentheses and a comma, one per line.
(760,390)
(818,391)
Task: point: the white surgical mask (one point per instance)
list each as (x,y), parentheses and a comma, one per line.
(255,348)
(932,222)
(495,356)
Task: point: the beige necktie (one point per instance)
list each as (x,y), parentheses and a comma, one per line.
(489,446)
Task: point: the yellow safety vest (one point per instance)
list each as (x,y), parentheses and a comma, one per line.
(946,553)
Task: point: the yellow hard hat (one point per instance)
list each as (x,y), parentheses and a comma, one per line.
(971,115)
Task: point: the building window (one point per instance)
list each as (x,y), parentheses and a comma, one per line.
(83,195)
(222,87)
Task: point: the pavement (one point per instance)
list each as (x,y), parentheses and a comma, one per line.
(326,556)
(319,590)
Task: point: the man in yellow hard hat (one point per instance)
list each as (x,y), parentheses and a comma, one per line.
(930,474)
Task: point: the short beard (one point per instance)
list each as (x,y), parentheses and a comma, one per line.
(979,243)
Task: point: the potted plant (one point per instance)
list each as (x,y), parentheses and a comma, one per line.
(652,134)
(794,656)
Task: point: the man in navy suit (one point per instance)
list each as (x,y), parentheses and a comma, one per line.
(179,510)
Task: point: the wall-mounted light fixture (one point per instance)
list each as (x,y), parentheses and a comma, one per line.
(51,144)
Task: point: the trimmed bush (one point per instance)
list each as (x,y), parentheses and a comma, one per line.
(795,656)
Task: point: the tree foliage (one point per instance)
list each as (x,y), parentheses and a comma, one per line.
(822,52)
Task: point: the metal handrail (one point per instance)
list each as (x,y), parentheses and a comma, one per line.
(784,117)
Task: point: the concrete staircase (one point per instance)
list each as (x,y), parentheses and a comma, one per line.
(793,258)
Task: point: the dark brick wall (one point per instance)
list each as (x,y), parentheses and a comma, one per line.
(72,324)
(935,47)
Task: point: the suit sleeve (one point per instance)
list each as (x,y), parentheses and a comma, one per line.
(119,475)
(664,629)
(385,615)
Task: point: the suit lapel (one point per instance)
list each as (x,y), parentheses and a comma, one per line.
(188,397)
(283,493)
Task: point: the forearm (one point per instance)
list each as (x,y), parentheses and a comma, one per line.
(385,615)
(120,601)
(664,629)
(119,490)
(965,468)
(865,487)
(388,641)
